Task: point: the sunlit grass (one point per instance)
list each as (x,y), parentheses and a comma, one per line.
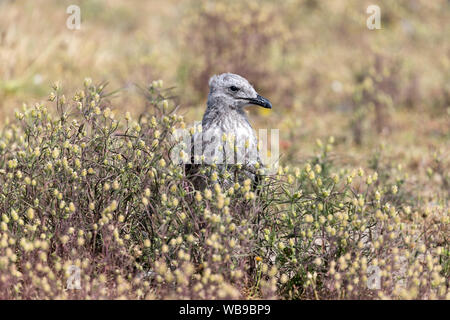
(83,188)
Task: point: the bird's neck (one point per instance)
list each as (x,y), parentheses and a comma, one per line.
(218,114)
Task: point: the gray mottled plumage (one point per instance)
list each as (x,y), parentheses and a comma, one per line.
(225,125)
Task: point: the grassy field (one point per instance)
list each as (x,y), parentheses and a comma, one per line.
(90,199)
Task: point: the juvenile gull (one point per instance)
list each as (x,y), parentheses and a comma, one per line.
(226,137)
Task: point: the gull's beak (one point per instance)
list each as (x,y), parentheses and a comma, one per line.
(260,101)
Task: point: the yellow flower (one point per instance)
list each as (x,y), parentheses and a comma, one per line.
(394,189)
(208,194)
(113,205)
(55,153)
(30,213)
(14,215)
(309,218)
(107,112)
(318,168)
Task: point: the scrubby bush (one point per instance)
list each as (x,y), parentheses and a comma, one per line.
(82,192)
(238,37)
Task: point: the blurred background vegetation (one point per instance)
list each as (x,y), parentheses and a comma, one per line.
(378,92)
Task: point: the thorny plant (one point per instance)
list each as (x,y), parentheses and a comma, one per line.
(80,188)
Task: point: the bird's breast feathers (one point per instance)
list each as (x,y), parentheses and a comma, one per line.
(220,144)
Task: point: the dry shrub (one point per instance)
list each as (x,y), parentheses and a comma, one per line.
(376,93)
(236,36)
(82,189)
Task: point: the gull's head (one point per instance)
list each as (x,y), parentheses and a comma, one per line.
(233,91)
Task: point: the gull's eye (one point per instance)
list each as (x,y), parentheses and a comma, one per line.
(233,88)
